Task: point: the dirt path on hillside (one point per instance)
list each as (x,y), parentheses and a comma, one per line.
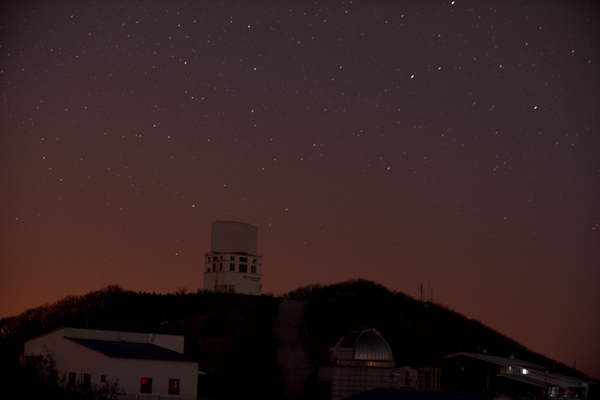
(292,355)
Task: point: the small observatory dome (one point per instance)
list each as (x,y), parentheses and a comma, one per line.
(363,347)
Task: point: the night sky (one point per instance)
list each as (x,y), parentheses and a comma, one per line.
(450,143)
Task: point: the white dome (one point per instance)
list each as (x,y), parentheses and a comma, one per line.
(363,347)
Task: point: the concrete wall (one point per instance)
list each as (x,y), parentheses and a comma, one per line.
(350,381)
(408,378)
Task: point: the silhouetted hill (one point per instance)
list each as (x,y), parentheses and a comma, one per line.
(419,333)
(231,336)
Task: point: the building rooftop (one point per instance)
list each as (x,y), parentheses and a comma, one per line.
(503,361)
(121,349)
(363,347)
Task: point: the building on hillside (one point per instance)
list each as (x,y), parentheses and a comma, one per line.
(145,364)
(363,360)
(514,377)
(233,264)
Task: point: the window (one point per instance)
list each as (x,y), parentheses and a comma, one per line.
(173,386)
(232,267)
(254,260)
(208,269)
(146,385)
(243,268)
(214,267)
(215,258)
(232,258)
(220,266)
(253,269)
(72,379)
(221,258)
(243,259)
(102,378)
(87,381)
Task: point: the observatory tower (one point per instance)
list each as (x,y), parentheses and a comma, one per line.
(233,264)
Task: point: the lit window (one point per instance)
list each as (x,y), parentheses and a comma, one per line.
(173,386)
(232,267)
(243,268)
(146,385)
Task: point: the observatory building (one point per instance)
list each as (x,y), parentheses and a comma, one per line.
(363,360)
(233,264)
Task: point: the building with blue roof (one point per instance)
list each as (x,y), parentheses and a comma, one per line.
(145,364)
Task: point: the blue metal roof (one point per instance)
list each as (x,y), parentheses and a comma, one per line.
(142,351)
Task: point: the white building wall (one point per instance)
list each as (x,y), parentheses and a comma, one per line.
(130,373)
(69,356)
(243,283)
(233,237)
(72,357)
(217,272)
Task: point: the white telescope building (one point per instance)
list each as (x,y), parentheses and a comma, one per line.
(233,264)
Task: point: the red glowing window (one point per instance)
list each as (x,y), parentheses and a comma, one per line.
(173,386)
(146,385)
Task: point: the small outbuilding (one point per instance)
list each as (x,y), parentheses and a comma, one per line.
(145,364)
(518,378)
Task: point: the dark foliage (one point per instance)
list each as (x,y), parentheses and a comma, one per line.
(231,335)
(420,334)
